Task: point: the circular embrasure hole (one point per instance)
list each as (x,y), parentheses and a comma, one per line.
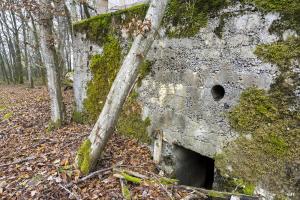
(218,92)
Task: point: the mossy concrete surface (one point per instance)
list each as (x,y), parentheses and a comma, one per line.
(184,18)
(83,156)
(98,28)
(267,151)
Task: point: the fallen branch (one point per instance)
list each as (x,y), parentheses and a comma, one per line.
(125,190)
(132,173)
(217,194)
(91,175)
(19,161)
(68,191)
(164,188)
(128,178)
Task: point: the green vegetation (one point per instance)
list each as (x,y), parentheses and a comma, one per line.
(79,117)
(289,10)
(104,69)
(126,192)
(2,108)
(167,181)
(130,122)
(99,28)
(7,116)
(184,18)
(215,194)
(53,125)
(144,70)
(268,123)
(83,156)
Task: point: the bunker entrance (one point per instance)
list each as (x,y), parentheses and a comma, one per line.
(193,169)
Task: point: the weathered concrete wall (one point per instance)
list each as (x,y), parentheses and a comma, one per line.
(83,50)
(177,95)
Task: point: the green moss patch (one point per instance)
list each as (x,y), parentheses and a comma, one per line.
(53,125)
(184,18)
(268,123)
(79,117)
(130,122)
(289,10)
(104,69)
(83,156)
(7,116)
(98,28)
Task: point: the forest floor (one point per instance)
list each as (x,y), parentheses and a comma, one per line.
(36,163)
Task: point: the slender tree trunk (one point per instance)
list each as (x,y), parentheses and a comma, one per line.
(51,57)
(3,69)
(6,60)
(11,50)
(124,81)
(19,68)
(27,66)
(38,51)
(61,32)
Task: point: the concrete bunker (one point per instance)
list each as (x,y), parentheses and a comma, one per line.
(193,169)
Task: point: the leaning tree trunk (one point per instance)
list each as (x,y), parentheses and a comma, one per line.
(91,149)
(51,58)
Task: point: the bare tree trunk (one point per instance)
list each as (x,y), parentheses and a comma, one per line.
(124,81)
(3,69)
(38,51)
(11,51)
(27,66)
(51,57)
(19,68)
(6,61)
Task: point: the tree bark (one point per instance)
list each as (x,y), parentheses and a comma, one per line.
(51,58)
(19,67)
(27,66)
(124,81)
(38,51)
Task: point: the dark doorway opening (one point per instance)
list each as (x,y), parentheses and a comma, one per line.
(194,169)
(218,92)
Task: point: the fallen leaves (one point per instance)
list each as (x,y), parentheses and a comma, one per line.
(37,164)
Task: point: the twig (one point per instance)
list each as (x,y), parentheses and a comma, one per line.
(19,161)
(91,175)
(68,191)
(125,191)
(164,188)
(194,196)
(221,195)
(132,173)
